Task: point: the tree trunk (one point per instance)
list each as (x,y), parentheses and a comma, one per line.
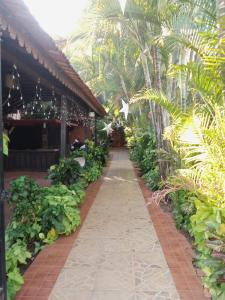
(148,84)
(123,84)
(221,16)
(159,112)
(158,86)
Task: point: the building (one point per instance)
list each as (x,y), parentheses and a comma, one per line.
(45,103)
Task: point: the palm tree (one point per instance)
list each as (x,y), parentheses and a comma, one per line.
(221,15)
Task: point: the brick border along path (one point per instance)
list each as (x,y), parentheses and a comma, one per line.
(41,276)
(117,254)
(177,251)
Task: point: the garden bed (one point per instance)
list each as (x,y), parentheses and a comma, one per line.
(41,215)
(177,248)
(42,274)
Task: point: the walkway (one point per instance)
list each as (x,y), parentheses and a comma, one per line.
(117,255)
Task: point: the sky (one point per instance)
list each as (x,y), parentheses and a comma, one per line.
(58,18)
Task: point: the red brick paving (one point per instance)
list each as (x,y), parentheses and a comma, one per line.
(177,250)
(42,274)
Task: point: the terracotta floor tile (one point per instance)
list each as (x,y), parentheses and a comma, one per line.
(44,292)
(185,295)
(48,284)
(32,283)
(180,282)
(27,298)
(30,291)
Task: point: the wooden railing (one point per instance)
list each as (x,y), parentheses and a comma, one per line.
(31,160)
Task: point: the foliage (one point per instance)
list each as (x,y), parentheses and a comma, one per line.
(79,188)
(173,52)
(25,202)
(92,171)
(41,215)
(95,157)
(24,199)
(28,232)
(5,144)
(59,212)
(208,227)
(183,208)
(143,151)
(66,172)
(95,154)
(16,255)
(152,178)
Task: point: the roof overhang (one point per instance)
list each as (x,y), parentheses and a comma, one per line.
(16,19)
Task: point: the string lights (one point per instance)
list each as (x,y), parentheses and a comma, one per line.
(15,97)
(75,112)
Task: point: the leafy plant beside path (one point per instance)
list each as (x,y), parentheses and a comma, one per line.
(41,215)
(172,51)
(143,152)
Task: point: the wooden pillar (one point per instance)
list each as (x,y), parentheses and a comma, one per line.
(3,289)
(95,131)
(63,127)
(44,136)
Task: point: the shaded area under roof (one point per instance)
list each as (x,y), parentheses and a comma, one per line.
(21,25)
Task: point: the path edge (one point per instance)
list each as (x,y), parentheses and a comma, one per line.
(42,274)
(176,248)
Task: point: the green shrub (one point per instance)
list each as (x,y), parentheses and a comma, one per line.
(206,224)
(24,199)
(152,178)
(25,203)
(28,232)
(95,154)
(92,172)
(40,215)
(79,188)
(59,210)
(16,255)
(183,208)
(66,172)
(143,151)
(208,228)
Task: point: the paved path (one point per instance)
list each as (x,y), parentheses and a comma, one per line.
(117,255)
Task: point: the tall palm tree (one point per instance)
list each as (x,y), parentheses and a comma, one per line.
(221,15)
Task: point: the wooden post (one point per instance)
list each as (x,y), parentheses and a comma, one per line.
(63,127)
(3,289)
(95,133)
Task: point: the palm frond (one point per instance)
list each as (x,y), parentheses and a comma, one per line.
(158,97)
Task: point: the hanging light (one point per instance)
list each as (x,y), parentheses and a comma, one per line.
(12,82)
(92,114)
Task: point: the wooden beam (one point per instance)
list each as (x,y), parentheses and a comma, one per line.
(63,127)
(10,58)
(3,288)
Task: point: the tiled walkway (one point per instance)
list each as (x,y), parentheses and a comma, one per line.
(117,255)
